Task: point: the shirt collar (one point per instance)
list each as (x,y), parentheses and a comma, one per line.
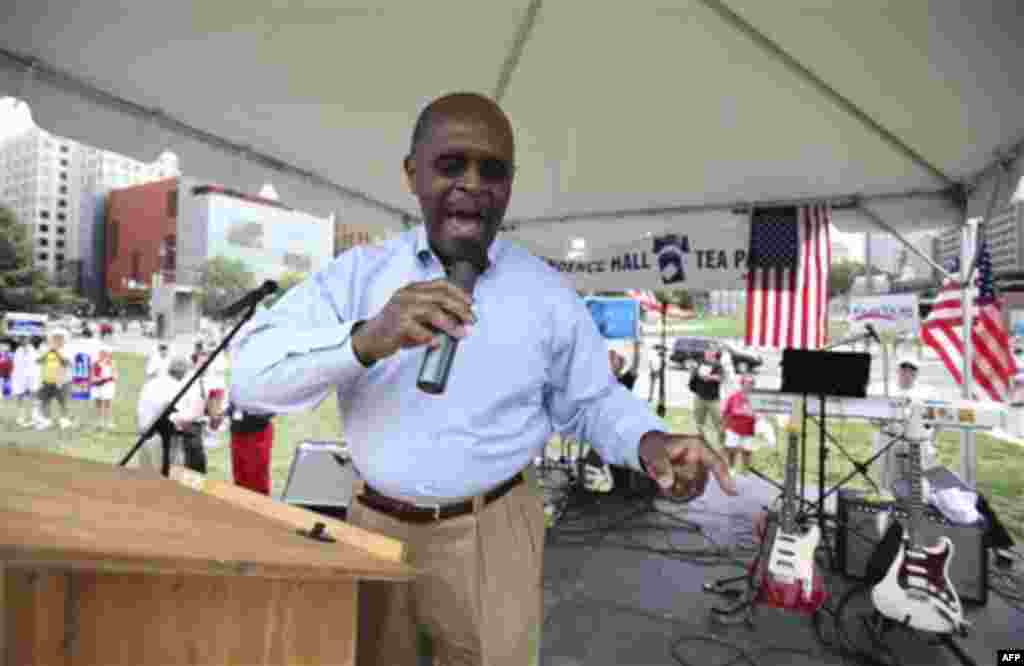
(425,255)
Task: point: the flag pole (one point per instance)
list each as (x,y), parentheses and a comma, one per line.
(968,467)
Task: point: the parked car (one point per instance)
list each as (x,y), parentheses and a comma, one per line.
(691,350)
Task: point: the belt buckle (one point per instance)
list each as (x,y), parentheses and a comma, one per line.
(436,508)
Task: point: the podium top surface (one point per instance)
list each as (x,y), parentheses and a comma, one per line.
(64,512)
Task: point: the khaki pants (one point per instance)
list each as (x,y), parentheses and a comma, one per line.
(704,409)
(478,596)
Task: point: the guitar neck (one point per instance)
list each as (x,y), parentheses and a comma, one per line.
(915,500)
(787,516)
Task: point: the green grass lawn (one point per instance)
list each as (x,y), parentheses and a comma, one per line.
(1000,465)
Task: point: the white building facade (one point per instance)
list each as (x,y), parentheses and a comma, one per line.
(57,188)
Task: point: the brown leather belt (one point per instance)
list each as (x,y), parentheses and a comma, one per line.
(411,513)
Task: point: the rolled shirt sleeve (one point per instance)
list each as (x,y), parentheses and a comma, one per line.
(290,356)
(586,398)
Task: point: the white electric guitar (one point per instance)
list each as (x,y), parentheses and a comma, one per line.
(916,589)
(790,581)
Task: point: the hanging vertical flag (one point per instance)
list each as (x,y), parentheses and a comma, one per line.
(787,280)
(993,366)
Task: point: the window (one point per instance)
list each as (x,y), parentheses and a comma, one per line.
(63,175)
(63,189)
(63,163)
(61,230)
(44,228)
(44,215)
(137,266)
(43,256)
(59,258)
(172,204)
(113,239)
(61,217)
(43,242)
(63,203)
(63,149)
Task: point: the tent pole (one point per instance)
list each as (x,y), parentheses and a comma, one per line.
(968,461)
(874,217)
(1004,173)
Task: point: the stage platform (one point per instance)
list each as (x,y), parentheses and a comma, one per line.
(610,600)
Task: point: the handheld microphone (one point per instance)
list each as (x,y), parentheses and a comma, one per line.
(463,271)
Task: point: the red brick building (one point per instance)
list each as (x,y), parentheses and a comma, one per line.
(141,227)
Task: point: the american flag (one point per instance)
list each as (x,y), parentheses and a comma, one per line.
(993,366)
(787,282)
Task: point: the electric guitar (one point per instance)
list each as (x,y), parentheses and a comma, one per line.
(789,579)
(916,589)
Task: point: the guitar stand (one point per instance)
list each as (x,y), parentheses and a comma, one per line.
(861,468)
(879,625)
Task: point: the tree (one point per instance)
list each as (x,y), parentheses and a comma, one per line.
(284,284)
(223,282)
(22,285)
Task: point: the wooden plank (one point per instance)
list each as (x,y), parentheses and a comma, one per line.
(35,622)
(3,614)
(139,620)
(295,517)
(58,511)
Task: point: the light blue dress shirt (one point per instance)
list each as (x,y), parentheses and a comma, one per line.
(534,364)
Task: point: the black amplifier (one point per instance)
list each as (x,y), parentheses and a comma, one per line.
(863,522)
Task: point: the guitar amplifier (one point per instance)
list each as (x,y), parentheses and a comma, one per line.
(863,522)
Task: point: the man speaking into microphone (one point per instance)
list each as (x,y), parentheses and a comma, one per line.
(442,455)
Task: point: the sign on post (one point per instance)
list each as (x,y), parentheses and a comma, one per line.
(616,318)
(895,313)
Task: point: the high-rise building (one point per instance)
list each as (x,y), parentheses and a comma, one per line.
(1005,236)
(57,188)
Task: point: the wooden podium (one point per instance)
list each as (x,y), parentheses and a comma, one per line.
(106,566)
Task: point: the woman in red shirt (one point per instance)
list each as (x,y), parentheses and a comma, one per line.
(739,421)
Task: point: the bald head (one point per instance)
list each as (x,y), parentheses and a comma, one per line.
(467,106)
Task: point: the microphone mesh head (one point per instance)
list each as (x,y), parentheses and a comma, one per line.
(466,250)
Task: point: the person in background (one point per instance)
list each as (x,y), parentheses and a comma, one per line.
(706,384)
(25,381)
(252,441)
(7,348)
(628,376)
(893,461)
(654,363)
(155,395)
(201,415)
(739,421)
(55,367)
(104,384)
(158,362)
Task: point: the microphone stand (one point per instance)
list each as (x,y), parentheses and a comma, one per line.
(162,425)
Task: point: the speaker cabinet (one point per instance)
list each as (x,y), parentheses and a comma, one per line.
(862,523)
(320,478)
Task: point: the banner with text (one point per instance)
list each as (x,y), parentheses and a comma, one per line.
(895,313)
(712,258)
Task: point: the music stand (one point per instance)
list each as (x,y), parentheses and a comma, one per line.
(822,374)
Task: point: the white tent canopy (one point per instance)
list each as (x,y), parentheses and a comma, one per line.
(630,116)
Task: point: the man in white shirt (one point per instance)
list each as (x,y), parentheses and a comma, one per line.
(199,412)
(893,464)
(449,473)
(158,362)
(156,394)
